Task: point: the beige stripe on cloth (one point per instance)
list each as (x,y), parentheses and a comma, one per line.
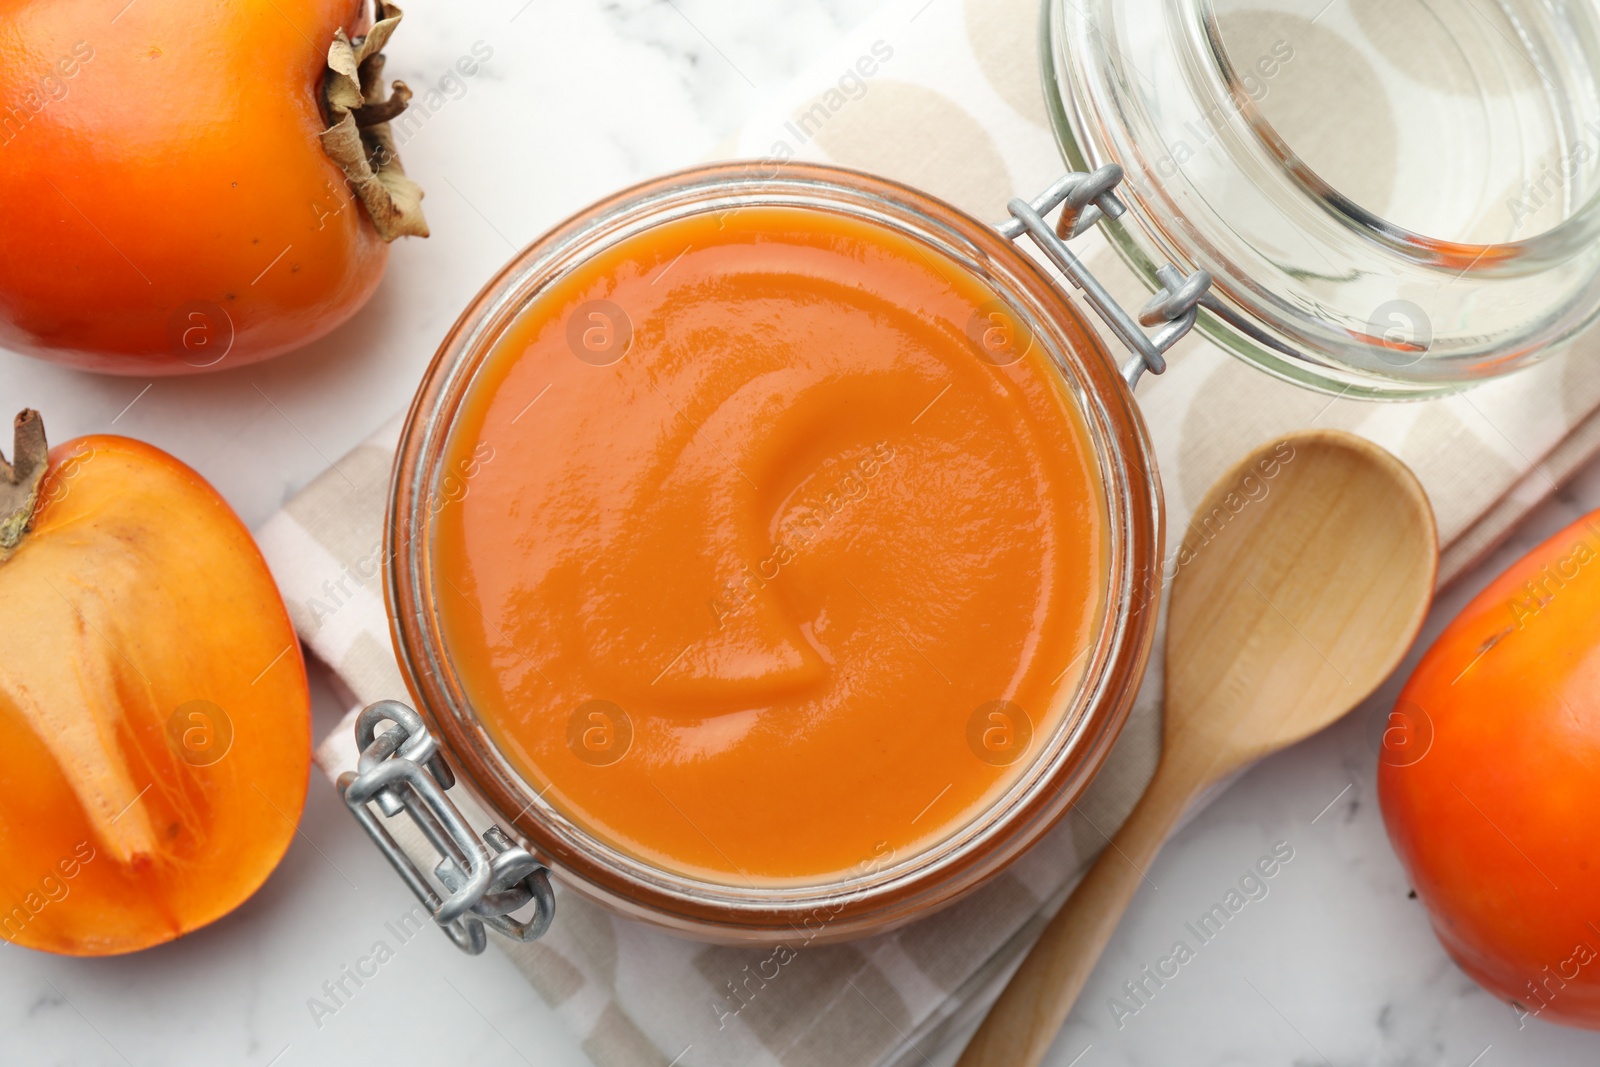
(952,104)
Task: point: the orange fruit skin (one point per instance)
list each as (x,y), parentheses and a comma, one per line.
(1494,818)
(175,172)
(137,599)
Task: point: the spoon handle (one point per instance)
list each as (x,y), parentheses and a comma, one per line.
(1031,1009)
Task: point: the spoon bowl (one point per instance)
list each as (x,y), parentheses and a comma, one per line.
(1302,580)
(1296,595)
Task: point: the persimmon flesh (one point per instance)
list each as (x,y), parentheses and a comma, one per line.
(169,203)
(154,715)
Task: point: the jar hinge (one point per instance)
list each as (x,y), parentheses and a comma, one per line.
(402,770)
(1085,199)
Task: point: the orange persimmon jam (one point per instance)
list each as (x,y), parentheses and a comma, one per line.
(777,548)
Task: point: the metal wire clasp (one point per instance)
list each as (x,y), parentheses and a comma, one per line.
(1084,200)
(488,879)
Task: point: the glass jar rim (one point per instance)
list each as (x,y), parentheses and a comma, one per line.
(1065,763)
(1319,329)
(1554,245)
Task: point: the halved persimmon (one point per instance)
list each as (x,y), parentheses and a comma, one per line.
(154,716)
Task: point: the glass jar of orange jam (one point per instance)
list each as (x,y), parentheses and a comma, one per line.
(774,547)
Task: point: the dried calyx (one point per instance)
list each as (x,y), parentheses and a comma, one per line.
(358,137)
(20,480)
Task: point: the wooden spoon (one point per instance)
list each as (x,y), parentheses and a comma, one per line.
(1300,585)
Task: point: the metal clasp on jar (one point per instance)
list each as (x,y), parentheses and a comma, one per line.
(487,879)
(1084,200)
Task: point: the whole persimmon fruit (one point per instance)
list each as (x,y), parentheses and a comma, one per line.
(155,736)
(1489,780)
(192,185)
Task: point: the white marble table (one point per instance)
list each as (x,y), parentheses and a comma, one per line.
(1336,966)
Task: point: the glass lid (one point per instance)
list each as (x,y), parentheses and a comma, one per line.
(1394,197)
